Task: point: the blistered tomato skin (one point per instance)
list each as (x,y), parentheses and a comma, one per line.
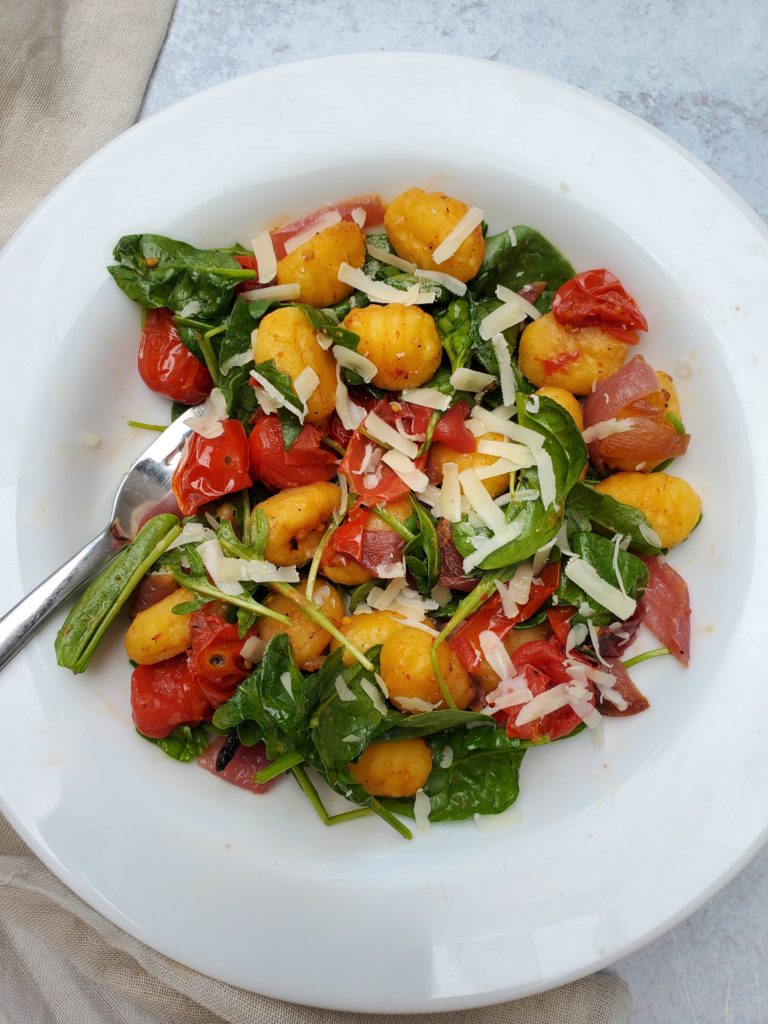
(165,363)
(396,769)
(314,266)
(554,355)
(305,462)
(211,468)
(166,695)
(402,342)
(286,336)
(418,221)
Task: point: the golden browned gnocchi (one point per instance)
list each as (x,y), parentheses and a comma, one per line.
(406,668)
(395,769)
(551,354)
(418,221)
(308,640)
(486,676)
(286,336)
(670,504)
(566,401)
(157,634)
(402,342)
(297,518)
(366,631)
(314,266)
(440,454)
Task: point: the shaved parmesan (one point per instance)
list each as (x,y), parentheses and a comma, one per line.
(351,415)
(498,822)
(532,404)
(441,594)
(387,257)
(276,395)
(414,704)
(576,636)
(382,599)
(616,568)
(421,810)
(323,340)
(650,535)
(512,236)
(350,738)
(500,320)
(449,505)
(415,624)
(374,693)
(91,440)
(507,295)
(344,692)
(344,497)
(252,650)
(429,397)
(305,385)
(227,573)
(359,215)
(551,700)
(481,501)
(446,758)
(496,469)
(378,291)
(453,284)
(495,653)
(191,533)
(406,470)
(510,532)
(352,360)
(238,359)
(266,261)
(208,423)
(606,428)
(325,220)
(389,571)
(593,636)
(517,591)
(430,495)
(475,427)
(471,380)
(506,374)
(534,440)
(383,432)
(519,454)
(274,293)
(610,597)
(381,684)
(191,309)
(461,231)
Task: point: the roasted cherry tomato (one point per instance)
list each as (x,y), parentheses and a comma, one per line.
(305,462)
(369,548)
(165,363)
(371,205)
(542,665)
(166,695)
(212,467)
(559,620)
(466,640)
(336,431)
(215,656)
(452,432)
(596,298)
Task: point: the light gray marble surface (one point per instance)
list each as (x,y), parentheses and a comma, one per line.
(698,71)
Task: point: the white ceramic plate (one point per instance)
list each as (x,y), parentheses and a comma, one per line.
(616,844)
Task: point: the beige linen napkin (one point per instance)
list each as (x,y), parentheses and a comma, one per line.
(72,75)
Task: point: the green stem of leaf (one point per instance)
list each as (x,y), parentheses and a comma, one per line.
(246,514)
(209,356)
(146,426)
(333,444)
(311,610)
(394,524)
(283,764)
(308,789)
(238,600)
(659,652)
(314,567)
(434,419)
(390,819)
(359,812)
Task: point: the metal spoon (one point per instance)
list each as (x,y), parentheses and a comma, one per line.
(144,488)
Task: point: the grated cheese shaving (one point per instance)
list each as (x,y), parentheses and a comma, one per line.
(359,215)
(344,692)
(252,650)
(606,428)
(506,374)
(325,220)
(374,693)
(510,532)
(421,811)
(453,284)
(406,470)
(610,597)
(431,398)
(209,423)
(379,291)
(471,380)
(351,415)
(507,295)
(387,257)
(274,293)
(305,385)
(501,319)
(383,432)
(266,261)
(481,501)
(461,231)
(352,360)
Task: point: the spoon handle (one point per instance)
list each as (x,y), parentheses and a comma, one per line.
(22,622)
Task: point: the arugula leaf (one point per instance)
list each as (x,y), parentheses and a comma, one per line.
(565,446)
(422,554)
(183,744)
(88,621)
(585,506)
(599,553)
(156,271)
(532,258)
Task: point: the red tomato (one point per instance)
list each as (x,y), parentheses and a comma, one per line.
(248,261)
(215,656)
(211,468)
(166,695)
(305,462)
(559,619)
(165,363)
(339,433)
(596,298)
(369,548)
(452,432)
(542,664)
(373,206)
(466,640)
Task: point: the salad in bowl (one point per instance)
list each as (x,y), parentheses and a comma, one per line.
(421,514)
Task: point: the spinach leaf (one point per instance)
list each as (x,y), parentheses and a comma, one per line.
(275,697)
(237,339)
(88,621)
(485,353)
(157,271)
(422,554)
(459,330)
(599,553)
(482,777)
(289,417)
(341,729)
(532,258)
(183,744)
(357,300)
(320,320)
(563,442)
(585,506)
(195,332)
(430,722)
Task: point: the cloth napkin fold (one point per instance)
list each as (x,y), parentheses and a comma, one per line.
(72,76)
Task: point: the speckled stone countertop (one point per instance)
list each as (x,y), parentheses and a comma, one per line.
(696,70)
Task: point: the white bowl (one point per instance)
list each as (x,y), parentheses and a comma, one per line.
(616,844)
